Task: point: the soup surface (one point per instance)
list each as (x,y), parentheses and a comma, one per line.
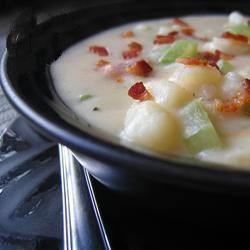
(177,85)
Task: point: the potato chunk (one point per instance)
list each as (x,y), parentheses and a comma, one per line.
(167,94)
(192,77)
(232,85)
(148,124)
(236,18)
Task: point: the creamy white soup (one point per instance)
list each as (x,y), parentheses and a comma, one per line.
(176,85)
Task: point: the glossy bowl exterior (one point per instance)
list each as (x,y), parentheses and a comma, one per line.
(27,85)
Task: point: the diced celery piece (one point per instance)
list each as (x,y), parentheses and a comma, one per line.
(199,133)
(180,48)
(242,29)
(85,97)
(224,66)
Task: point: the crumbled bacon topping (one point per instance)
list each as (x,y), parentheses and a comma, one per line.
(226,107)
(180,22)
(114,71)
(102,63)
(119,79)
(195,61)
(233,105)
(128,34)
(169,38)
(246,84)
(192,61)
(139,68)
(139,92)
(236,37)
(224,55)
(188,31)
(213,58)
(134,50)
(128,54)
(135,46)
(100,50)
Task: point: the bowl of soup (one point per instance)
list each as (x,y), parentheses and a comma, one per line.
(142,99)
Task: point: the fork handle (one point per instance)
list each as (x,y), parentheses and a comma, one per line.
(83,227)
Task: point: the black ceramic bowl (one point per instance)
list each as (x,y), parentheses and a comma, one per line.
(33,44)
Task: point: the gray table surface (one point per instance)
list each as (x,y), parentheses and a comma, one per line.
(7,113)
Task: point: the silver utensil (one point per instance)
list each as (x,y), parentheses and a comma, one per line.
(83,227)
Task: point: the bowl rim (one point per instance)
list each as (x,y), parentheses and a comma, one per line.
(120,156)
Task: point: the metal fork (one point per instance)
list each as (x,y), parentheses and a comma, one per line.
(83,226)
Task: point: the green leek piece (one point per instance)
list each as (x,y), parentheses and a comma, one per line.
(180,48)
(224,66)
(85,97)
(199,132)
(241,29)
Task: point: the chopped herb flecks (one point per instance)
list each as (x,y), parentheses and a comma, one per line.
(85,97)
(96,109)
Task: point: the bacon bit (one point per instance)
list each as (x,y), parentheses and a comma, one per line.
(139,92)
(119,79)
(237,102)
(210,57)
(134,50)
(102,63)
(226,107)
(169,38)
(246,84)
(140,68)
(236,37)
(224,55)
(180,22)
(196,61)
(188,31)
(192,61)
(213,58)
(135,46)
(186,28)
(101,51)
(128,34)
(113,71)
(234,105)
(128,54)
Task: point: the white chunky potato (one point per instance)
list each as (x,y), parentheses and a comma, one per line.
(168,94)
(236,18)
(192,77)
(232,85)
(149,125)
(164,30)
(228,46)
